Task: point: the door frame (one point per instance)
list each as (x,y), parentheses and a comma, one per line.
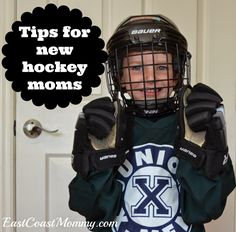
(7,117)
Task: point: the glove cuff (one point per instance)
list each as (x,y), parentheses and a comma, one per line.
(91,160)
(211,161)
(191,152)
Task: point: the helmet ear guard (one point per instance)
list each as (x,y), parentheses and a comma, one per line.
(152,34)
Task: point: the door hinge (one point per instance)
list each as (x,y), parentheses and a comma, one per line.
(14,128)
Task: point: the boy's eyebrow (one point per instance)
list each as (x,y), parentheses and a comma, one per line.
(139,57)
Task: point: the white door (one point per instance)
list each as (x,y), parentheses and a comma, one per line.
(43,164)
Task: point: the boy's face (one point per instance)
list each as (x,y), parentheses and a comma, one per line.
(149,76)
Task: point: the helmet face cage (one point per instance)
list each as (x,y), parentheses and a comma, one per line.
(147,65)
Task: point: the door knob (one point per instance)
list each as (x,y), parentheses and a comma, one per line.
(33,128)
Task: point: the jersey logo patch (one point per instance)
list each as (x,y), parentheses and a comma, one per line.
(150,191)
(151,203)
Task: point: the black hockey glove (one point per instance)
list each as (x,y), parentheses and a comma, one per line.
(99,141)
(202,132)
(100,118)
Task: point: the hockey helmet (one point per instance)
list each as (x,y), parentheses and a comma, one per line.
(148,63)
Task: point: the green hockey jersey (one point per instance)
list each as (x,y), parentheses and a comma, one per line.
(153,190)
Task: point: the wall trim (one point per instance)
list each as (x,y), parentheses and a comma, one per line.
(202,40)
(7,116)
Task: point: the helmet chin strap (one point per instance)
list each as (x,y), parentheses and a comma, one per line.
(151,108)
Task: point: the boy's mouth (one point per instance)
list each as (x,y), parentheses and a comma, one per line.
(153,91)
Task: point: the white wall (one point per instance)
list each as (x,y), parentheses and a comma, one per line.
(217,61)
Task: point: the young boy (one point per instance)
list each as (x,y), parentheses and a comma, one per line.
(155,157)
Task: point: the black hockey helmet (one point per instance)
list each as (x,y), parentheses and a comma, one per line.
(138,38)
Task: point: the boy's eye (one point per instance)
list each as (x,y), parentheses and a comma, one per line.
(162,67)
(136,67)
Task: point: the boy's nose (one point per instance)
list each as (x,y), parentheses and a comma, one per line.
(149,74)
